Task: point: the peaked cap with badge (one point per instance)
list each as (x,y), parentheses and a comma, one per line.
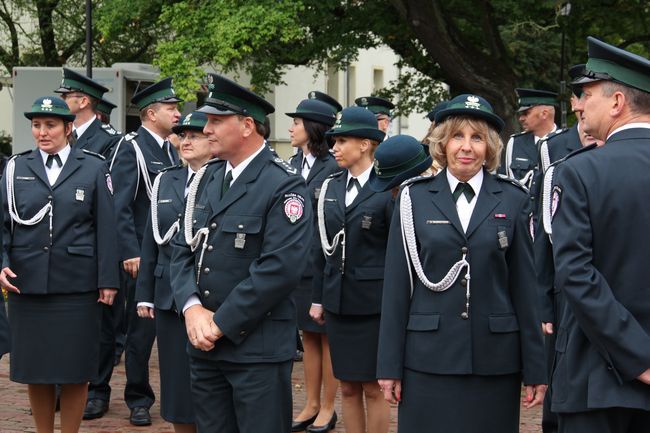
(162,91)
(75,82)
(398,158)
(324,97)
(195,121)
(356,122)
(609,63)
(105,106)
(316,111)
(375,104)
(529,98)
(46,106)
(473,106)
(227,98)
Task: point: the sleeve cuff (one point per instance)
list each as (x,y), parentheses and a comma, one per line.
(146,304)
(192,301)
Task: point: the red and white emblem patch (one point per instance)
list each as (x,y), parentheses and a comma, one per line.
(555,200)
(294,207)
(109,183)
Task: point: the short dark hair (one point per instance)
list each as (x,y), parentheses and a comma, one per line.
(318,143)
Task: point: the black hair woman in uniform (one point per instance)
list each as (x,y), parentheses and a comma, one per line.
(154,295)
(452,355)
(60,260)
(353,224)
(314,161)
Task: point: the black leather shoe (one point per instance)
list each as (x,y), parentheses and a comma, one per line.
(95,408)
(323,428)
(302,425)
(140,416)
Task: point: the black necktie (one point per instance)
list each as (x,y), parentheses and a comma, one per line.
(463,188)
(189,181)
(305,163)
(73,137)
(354,183)
(226,183)
(167,147)
(53,158)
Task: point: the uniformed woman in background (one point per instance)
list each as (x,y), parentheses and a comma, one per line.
(452,354)
(153,291)
(353,228)
(60,261)
(314,161)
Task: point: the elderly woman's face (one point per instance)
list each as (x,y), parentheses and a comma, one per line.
(466,151)
(195,147)
(50,133)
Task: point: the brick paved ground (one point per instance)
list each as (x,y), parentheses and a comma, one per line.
(15,417)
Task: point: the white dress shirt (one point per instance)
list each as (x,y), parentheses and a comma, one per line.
(307,164)
(81,129)
(645,125)
(464,207)
(54,171)
(158,138)
(362,178)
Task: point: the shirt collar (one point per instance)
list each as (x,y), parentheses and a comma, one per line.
(81,129)
(310,159)
(547,134)
(236,171)
(362,178)
(475,182)
(63,154)
(157,137)
(645,125)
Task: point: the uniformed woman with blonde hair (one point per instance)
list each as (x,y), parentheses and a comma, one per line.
(459,325)
(353,224)
(60,262)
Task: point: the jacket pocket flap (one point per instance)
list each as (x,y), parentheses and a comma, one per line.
(504,323)
(82,251)
(522,165)
(369,273)
(158,271)
(423,322)
(241,224)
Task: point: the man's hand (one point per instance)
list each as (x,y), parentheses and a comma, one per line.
(146,312)
(107,296)
(5,274)
(317,314)
(645,377)
(201,329)
(547,328)
(132,266)
(534,395)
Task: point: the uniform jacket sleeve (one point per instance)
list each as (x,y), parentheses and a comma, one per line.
(125,183)
(609,326)
(145,285)
(545,271)
(107,249)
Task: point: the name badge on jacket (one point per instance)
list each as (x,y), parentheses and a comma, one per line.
(79,195)
(502,238)
(366,222)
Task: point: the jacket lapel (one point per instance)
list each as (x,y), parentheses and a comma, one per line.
(485,203)
(154,148)
(88,134)
(363,195)
(216,180)
(178,183)
(339,190)
(319,164)
(71,165)
(444,201)
(35,164)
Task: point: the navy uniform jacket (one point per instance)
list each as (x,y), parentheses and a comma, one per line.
(600,245)
(98,138)
(5,337)
(357,290)
(248,286)
(153,278)
(426,333)
(131,200)
(81,256)
(322,168)
(525,156)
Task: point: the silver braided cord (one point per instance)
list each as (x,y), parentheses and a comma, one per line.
(547,201)
(201,234)
(545,158)
(411,252)
(141,165)
(527,179)
(11,201)
(508,159)
(154,216)
(339,238)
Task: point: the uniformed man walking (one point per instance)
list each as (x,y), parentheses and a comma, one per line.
(83,96)
(382,108)
(600,211)
(254,231)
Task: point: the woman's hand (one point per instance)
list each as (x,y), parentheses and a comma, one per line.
(392,389)
(534,395)
(145,312)
(107,296)
(132,266)
(317,314)
(5,274)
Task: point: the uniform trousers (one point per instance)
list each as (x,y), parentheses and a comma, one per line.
(241,397)
(612,420)
(549,419)
(101,388)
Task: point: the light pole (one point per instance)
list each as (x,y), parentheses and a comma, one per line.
(89,38)
(565,11)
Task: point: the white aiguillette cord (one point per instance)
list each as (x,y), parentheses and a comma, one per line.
(154,216)
(339,238)
(11,202)
(141,165)
(409,241)
(202,233)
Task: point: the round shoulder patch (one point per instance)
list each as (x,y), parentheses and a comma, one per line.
(109,183)
(294,207)
(555,200)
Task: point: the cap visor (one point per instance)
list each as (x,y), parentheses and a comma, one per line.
(524,108)
(584,80)
(63,90)
(209,109)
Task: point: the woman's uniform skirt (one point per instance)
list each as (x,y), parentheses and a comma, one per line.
(353,346)
(302,299)
(459,403)
(175,389)
(54,338)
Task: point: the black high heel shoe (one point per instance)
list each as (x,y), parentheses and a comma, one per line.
(302,425)
(323,428)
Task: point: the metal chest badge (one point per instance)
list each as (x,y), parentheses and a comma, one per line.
(366,222)
(240,241)
(294,207)
(79,194)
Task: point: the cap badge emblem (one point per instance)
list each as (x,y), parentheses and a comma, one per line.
(377,168)
(46,105)
(187,119)
(473,102)
(312,95)
(364,101)
(210,78)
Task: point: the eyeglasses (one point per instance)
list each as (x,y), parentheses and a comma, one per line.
(66,96)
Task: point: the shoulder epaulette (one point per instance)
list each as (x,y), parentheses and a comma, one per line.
(415,179)
(214,161)
(130,136)
(284,165)
(517,134)
(15,155)
(171,167)
(88,152)
(574,153)
(556,133)
(108,128)
(338,173)
(515,182)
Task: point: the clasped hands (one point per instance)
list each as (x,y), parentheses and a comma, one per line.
(201,329)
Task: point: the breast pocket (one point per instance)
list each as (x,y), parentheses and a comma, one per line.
(521,166)
(242,235)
